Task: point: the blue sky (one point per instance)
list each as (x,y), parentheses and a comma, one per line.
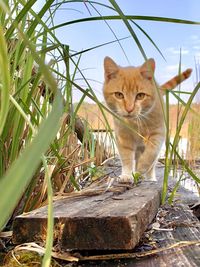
(170,38)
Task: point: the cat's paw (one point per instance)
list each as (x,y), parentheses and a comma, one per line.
(126,178)
(152,178)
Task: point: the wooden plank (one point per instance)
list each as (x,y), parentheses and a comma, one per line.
(183,226)
(177,224)
(95,219)
(176,243)
(112,167)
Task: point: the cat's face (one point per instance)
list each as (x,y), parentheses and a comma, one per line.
(129,92)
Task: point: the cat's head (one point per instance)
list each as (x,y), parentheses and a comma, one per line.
(129,91)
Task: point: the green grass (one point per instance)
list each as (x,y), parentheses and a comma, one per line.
(39,145)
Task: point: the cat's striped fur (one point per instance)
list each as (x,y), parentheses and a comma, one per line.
(130,92)
(172,83)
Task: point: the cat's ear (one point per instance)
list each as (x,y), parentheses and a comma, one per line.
(148,68)
(110,68)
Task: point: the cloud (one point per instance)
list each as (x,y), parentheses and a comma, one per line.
(194,37)
(196,47)
(197,54)
(176,51)
(174,68)
(164,77)
(169,72)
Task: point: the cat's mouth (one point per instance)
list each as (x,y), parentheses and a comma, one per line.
(128,116)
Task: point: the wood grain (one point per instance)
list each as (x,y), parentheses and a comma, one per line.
(114,219)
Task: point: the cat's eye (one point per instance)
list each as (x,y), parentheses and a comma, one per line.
(140,96)
(119,95)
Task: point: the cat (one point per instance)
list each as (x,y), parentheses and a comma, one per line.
(131,93)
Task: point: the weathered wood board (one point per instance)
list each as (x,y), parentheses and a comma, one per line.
(176,243)
(119,216)
(96,219)
(181,226)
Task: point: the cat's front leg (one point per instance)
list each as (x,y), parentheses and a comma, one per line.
(148,159)
(151,173)
(126,176)
(127,156)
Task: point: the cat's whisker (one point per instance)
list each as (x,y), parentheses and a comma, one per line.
(143,116)
(139,123)
(147,120)
(143,120)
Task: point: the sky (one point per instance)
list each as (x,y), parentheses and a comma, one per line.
(169,37)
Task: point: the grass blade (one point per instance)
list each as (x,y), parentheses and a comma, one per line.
(5,80)
(127,17)
(20,173)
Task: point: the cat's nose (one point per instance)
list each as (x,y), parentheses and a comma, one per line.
(129,109)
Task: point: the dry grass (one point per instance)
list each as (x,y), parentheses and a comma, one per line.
(193,152)
(92,114)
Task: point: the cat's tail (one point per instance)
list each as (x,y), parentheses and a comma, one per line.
(171,84)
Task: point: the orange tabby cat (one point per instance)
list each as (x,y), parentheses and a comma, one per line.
(131,93)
